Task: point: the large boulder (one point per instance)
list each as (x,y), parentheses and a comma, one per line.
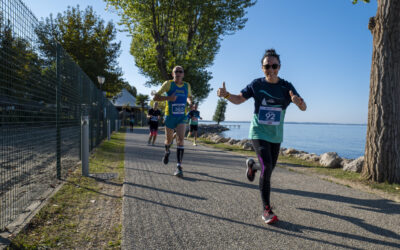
(355,165)
(330,160)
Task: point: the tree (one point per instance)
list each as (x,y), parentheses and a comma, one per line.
(89,41)
(166,33)
(142,100)
(219,115)
(22,84)
(130,89)
(382,155)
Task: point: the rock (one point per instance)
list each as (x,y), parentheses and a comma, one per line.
(345,161)
(241,143)
(209,128)
(307,156)
(224,140)
(291,151)
(355,165)
(232,141)
(211,135)
(216,138)
(248,146)
(314,157)
(203,135)
(330,160)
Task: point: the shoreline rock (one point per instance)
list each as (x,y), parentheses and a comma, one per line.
(328,160)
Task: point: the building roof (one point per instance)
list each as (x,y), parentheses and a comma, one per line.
(125,98)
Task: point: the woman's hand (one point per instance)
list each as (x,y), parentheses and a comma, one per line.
(298,101)
(221,92)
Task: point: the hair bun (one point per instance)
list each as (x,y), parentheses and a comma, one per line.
(271,52)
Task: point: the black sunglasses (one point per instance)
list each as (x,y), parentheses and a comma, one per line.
(273,66)
(178,71)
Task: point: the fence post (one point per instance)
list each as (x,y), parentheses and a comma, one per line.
(108,129)
(85,145)
(58,110)
(116,125)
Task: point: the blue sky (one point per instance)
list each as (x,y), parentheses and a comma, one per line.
(325,48)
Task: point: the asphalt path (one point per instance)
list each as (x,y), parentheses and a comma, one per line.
(215,207)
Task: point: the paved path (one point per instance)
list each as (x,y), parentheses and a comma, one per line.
(215,207)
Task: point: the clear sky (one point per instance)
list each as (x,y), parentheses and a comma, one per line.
(325,48)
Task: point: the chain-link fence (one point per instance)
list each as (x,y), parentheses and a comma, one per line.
(43,94)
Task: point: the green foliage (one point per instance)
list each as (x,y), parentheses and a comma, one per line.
(130,89)
(188,33)
(142,100)
(89,41)
(219,115)
(365,1)
(24,84)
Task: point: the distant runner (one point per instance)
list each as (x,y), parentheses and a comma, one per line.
(131,120)
(194,116)
(178,93)
(272,95)
(153,115)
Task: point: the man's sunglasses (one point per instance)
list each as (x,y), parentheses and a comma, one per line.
(273,66)
(178,71)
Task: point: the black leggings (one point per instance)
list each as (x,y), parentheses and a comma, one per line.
(267,154)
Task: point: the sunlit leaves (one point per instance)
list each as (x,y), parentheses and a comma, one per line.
(89,41)
(166,33)
(365,1)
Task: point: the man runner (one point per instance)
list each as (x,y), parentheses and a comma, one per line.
(178,93)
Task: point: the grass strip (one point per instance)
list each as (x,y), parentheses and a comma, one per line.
(78,215)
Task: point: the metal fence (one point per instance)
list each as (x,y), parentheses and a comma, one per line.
(43,94)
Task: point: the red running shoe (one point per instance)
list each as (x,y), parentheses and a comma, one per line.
(268,216)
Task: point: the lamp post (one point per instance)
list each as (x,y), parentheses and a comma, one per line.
(101,80)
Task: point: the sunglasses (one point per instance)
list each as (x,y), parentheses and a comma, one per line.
(178,71)
(273,66)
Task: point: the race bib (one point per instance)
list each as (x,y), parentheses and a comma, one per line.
(154,118)
(269,115)
(178,109)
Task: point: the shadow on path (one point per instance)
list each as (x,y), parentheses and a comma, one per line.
(165,191)
(284,226)
(381,206)
(358,222)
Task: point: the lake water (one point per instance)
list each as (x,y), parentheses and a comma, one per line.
(347,140)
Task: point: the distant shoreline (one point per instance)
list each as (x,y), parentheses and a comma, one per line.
(308,123)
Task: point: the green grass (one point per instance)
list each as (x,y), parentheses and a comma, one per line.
(61,222)
(293,163)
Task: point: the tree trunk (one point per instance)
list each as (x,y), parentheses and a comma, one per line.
(382,149)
